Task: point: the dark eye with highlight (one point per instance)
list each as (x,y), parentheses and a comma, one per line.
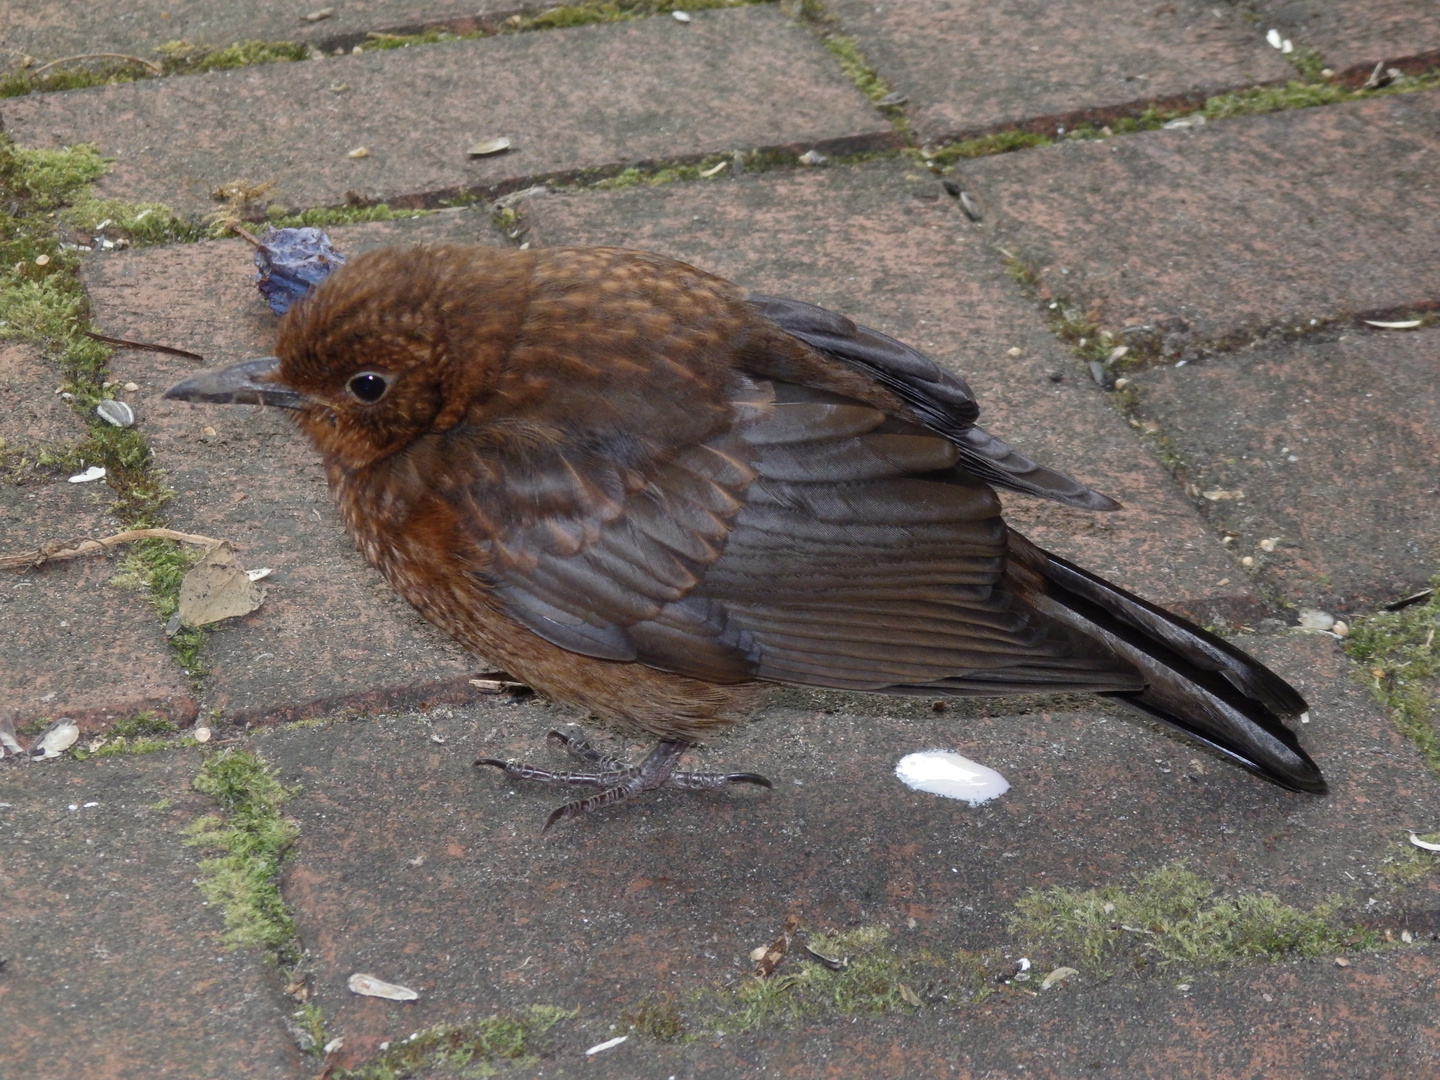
(368,387)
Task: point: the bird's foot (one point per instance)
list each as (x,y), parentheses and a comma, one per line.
(618,780)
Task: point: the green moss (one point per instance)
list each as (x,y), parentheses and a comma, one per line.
(1002,142)
(136,745)
(140,223)
(187,58)
(325,217)
(473,1047)
(658,1019)
(876,979)
(1405,864)
(1296,94)
(252,838)
(1399,657)
(144,723)
(1170,916)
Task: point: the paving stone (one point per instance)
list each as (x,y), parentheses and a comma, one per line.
(51,29)
(74,644)
(1334,443)
(886,248)
(1354,35)
(114,966)
(416,868)
(1217,234)
(31,413)
(331,633)
(594,97)
(970,67)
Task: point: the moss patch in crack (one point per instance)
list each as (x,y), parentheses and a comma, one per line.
(1172,916)
(1296,94)
(43,302)
(1405,864)
(470,1049)
(1399,655)
(251,838)
(876,979)
(174,58)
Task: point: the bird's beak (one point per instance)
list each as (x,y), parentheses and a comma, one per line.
(246,383)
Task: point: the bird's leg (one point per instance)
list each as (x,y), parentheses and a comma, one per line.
(620,781)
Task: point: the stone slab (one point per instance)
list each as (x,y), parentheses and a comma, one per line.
(51,29)
(114,967)
(594,97)
(414,867)
(1354,35)
(73,643)
(331,633)
(885,247)
(970,67)
(32,414)
(1334,441)
(1218,234)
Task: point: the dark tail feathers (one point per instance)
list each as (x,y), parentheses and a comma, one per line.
(1196,683)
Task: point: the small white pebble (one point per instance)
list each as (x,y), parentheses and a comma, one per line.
(681,16)
(1247,562)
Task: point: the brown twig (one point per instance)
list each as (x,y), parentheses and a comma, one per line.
(155,68)
(142,345)
(59,551)
(236,227)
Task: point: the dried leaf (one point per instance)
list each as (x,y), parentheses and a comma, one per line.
(94,472)
(770,959)
(370,986)
(216,588)
(909,996)
(1060,974)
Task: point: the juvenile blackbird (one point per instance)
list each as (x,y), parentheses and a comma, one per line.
(645,493)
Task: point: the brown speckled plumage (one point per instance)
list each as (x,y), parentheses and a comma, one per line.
(646,493)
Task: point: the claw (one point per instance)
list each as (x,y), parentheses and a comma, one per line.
(620,780)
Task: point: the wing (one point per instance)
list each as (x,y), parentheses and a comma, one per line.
(817,541)
(942,402)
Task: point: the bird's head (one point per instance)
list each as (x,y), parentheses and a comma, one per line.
(394,345)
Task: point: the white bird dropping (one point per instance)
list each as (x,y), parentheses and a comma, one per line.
(945,773)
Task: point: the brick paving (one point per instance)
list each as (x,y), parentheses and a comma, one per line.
(970,67)
(1222,241)
(633,92)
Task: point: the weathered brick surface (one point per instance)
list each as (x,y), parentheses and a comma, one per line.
(32,414)
(884,246)
(1334,443)
(1352,36)
(974,66)
(51,29)
(415,867)
(114,969)
(1225,231)
(71,643)
(331,632)
(599,96)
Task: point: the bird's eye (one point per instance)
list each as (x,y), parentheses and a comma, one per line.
(368,387)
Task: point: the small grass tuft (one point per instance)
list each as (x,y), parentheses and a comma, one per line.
(252,838)
(1399,656)
(472,1048)
(658,1018)
(1405,864)
(1170,916)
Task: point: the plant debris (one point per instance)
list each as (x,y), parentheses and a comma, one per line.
(370,986)
(218,587)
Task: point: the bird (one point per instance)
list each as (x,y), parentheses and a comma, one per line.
(647,492)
